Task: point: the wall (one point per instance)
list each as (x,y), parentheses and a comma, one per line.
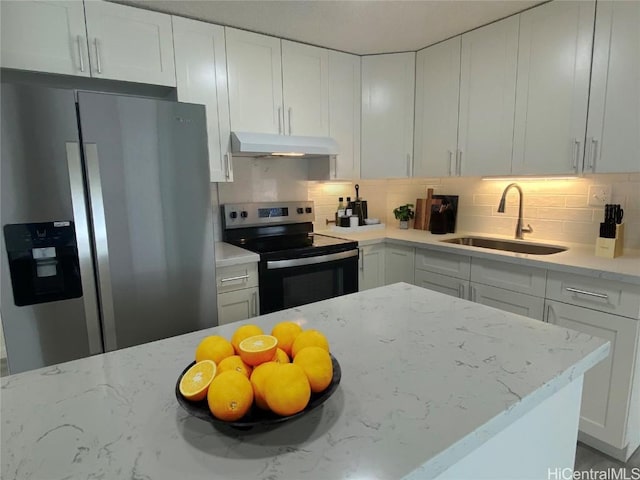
(261,180)
(556,209)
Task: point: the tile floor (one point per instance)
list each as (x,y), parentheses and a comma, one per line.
(589,459)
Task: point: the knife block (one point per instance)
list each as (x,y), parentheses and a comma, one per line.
(611,247)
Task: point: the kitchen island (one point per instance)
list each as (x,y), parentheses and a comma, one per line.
(432,387)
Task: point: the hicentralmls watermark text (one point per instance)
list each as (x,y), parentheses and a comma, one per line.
(620,473)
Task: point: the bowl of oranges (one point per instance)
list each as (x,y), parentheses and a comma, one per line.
(255,379)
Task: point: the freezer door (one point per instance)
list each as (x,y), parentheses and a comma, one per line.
(150,201)
(42,184)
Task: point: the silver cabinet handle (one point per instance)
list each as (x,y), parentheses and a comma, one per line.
(585,292)
(233,279)
(80,56)
(298,262)
(228,166)
(593,155)
(279,120)
(361,259)
(98,62)
(333,159)
(254,301)
(473,294)
(461,291)
(459,165)
(290,109)
(450,161)
(575,153)
(408,164)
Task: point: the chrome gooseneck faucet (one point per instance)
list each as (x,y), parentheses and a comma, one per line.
(519,229)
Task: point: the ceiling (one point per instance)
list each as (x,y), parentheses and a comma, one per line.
(355,26)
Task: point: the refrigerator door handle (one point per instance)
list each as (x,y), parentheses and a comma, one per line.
(74,164)
(101,247)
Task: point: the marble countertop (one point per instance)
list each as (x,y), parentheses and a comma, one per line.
(426,379)
(228,255)
(579,258)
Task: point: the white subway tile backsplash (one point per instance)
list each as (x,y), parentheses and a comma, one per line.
(558,210)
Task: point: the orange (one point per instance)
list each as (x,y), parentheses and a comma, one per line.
(287,389)
(234,362)
(281,356)
(286,333)
(258,349)
(243,332)
(214,348)
(194,384)
(230,396)
(309,338)
(258,379)
(316,363)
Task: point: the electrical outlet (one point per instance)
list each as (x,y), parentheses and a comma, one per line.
(599,195)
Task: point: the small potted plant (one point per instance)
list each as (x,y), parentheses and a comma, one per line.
(404,214)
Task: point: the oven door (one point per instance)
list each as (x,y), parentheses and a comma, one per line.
(297,281)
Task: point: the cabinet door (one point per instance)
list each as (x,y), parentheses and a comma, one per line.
(305,88)
(387,115)
(507,300)
(400,264)
(607,386)
(554,57)
(238,305)
(201,75)
(509,276)
(442,283)
(371,267)
(254,66)
(436,126)
(613,132)
(344,113)
(130,44)
(44,36)
(488,98)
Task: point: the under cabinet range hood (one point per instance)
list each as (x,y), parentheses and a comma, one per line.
(267,145)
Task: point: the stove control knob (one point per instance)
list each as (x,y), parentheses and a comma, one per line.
(308,209)
(233,214)
(243,214)
(300,210)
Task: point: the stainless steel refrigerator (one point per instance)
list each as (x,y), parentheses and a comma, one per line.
(107,223)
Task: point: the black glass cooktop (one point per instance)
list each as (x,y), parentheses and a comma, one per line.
(295,246)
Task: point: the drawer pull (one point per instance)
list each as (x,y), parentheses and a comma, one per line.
(585,292)
(233,279)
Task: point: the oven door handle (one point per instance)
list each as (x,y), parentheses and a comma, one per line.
(298,262)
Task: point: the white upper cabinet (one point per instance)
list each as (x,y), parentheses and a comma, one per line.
(344,113)
(201,74)
(305,86)
(436,120)
(388,83)
(554,59)
(487,98)
(44,36)
(254,66)
(613,132)
(130,44)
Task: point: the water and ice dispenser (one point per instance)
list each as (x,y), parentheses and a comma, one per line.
(43,262)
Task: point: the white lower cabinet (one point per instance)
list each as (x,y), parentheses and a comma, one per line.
(372,266)
(238,294)
(606,395)
(400,264)
(507,300)
(455,287)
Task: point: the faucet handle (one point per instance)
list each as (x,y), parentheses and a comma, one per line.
(527,229)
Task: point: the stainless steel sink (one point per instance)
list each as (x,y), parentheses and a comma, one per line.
(507,245)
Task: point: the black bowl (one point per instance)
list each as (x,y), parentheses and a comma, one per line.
(257,417)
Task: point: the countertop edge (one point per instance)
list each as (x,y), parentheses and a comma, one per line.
(463,447)
(227,255)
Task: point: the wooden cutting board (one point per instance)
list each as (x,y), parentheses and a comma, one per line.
(423,211)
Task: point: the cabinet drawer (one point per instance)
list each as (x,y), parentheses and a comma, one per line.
(517,278)
(441,283)
(236,306)
(507,300)
(237,277)
(449,264)
(596,293)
